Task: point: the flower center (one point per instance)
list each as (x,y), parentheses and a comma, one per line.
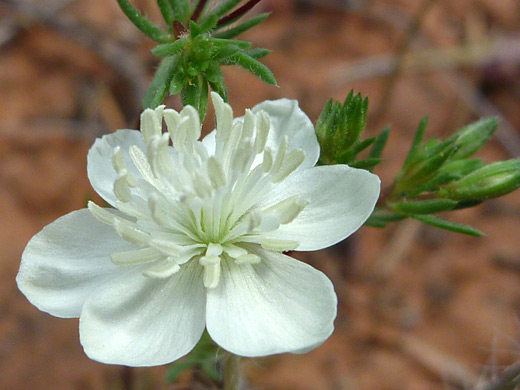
(202,201)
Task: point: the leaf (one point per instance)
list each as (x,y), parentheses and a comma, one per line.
(366,164)
(161,81)
(190,95)
(207,24)
(258,53)
(166,11)
(170,49)
(142,23)
(224,52)
(181,10)
(203,97)
(220,88)
(447,225)
(257,68)
(419,134)
(243,27)
(225,7)
(429,206)
(178,82)
(380,143)
(379,220)
(244,45)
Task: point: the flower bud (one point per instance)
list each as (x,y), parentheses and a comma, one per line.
(491,181)
(470,138)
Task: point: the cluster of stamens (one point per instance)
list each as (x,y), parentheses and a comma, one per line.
(195,203)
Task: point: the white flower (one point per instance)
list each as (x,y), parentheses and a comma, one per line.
(195,238)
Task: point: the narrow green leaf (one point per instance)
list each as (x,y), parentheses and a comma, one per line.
(362,145)
(243,27)
(178,81)
(244,45)
(375,222)
(225,7)
(159,87)
(224,52)
(419,134)
(166,11)
(181,10)
(170,49)
(207,24)
(447,225)
(257,68)
(423,171)
(380,143)
(367,163)
(142,23)
(258,53)
(203,98)
(190,95)
(429,206)
(220,88)
(387,217)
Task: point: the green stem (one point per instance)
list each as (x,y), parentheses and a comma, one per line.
(232,373)
(143,24)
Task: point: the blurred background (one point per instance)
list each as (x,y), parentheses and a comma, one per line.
(419,308)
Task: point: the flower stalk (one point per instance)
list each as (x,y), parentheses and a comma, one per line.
(232,373)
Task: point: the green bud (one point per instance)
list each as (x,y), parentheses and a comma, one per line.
(490,181)
(339,127)
(470,138)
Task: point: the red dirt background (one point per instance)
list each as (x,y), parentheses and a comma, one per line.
(419,308)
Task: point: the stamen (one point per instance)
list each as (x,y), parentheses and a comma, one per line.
(216,173)
(234,251)
(193,130)
(140,256)
(267,162)
(275,244)
(214,249)
(101,214)
(163,270)
(141,163)
(224,115)
(201,185)
(211,275)
(172,119)
(249,126)
(290,164)
(248,259)
(150,123)
(255,219)
(167,247)
(288,209)
(242,157)
(121,187)
(262,131)
(280,156)
(129,232)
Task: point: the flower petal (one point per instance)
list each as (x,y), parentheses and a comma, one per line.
(140,321)
(100,171)
(340,201)
(278,305)
(287,119)
(66,261)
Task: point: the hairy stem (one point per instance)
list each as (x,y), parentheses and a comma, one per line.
(232,373)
